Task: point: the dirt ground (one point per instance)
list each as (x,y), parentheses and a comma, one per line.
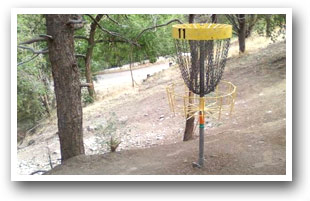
(251,141)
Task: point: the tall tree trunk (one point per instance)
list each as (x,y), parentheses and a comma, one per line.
(242,33)
(268,25)
(44,97)
(250,25)
(130,66)
(66,77)
(89,54)
(190,122)
(214,18)
(191,18)
(45,103)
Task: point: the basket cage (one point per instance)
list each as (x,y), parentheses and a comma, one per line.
(206,56)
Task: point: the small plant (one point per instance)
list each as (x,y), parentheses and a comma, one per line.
(107,136)
(113,144)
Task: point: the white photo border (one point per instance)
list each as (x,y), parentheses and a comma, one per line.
(17,177)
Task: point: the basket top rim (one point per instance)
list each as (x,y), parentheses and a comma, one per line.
(206,31)
(198,26)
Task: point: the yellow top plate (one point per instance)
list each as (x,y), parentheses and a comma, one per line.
(201,31)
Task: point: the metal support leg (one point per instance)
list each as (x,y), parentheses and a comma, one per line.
(201,158)
(201,146)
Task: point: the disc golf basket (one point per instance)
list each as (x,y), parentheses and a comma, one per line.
(201,55)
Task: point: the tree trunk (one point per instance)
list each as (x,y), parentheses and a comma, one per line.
(130,67)
(242,33)
(45,103)
(66,77)
(44,98)
(214,18)
(89,54)
(268,25)
(191,18)
(250,25)
(189,124)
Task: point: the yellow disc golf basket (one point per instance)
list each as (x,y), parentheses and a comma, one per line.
(201,50)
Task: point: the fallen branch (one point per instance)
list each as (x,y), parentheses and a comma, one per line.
(38,171)
(27,132)
(49,157)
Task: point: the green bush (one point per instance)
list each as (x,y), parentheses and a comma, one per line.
(153,59)
(86,98)
(30,91)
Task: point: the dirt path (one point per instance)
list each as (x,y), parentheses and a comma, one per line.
(108,82)
(252,141)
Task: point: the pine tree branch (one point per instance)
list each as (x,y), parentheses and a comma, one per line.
(251,23)
(76,23)
(160,25)
(114,21)
(81,37)
(23,62)
(112,33)
(33,40)
(86,85)
(48,37)
(232,20)
(42,37)
(80,55)
(110,41)
(42,51)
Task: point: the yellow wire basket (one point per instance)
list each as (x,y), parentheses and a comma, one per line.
(222,100)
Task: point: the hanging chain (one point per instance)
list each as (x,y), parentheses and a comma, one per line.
(188,53)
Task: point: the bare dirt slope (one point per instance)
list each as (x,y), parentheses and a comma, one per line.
(252,141)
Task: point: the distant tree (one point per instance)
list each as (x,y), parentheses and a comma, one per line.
(214,18)
(272,26)
(89,53)
(241,32)
(242,26)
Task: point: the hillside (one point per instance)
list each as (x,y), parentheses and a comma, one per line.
(252,141)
